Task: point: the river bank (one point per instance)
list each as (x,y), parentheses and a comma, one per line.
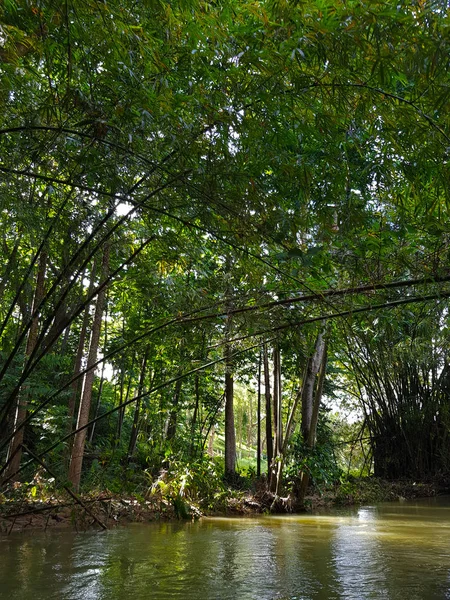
(106,510)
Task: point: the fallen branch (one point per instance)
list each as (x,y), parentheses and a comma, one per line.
(40,509)
(68,490)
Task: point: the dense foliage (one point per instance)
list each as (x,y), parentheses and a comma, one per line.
(211,212)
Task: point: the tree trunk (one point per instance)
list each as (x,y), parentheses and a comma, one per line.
(211,442)
(258,422)
(269,440)
(121,415)
(76,460)
(196,437)
(15,447)
(275,470)
(172,425)
(102,376)
(316,362)
(277,386)
(193,446)
(276,449)
(290,425)
(97,403)
(80,351)
(311,441)
(137,408)
(230,433)
(308,386)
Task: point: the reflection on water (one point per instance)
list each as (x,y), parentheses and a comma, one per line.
(391,551)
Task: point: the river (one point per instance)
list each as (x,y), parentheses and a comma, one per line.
(388,551)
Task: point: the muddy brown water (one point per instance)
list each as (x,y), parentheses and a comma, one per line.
(388,551)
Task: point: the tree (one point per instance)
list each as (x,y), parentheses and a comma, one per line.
(307,142)
(402,372)
(76,459)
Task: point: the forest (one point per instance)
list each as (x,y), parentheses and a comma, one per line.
(224,227)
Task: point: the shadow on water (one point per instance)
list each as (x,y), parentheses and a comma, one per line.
(388,551)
